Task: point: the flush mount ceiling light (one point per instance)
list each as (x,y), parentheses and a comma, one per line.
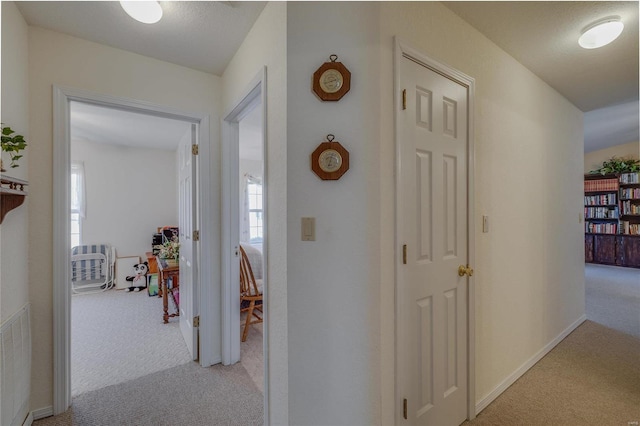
(600,33)
(148,12)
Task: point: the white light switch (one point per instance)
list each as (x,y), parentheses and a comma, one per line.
(308,229)
(485,224)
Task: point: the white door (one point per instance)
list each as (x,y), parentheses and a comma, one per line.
(187,219)
(432,223)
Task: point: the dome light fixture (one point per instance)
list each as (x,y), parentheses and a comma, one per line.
(145,11)
(601,33)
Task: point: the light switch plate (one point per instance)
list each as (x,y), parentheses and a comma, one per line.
(308,229)
(485,224)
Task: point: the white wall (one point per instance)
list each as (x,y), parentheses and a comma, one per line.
(528,179)
(130,193)
(58,59)
(594,159)
(14,231)
(334,282)
(265,45)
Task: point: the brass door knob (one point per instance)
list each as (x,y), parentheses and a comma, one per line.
(465,270)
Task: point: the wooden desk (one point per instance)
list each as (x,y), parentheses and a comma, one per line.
(164,273)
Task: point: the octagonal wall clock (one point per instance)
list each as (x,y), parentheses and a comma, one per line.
(330,160)
(332,80)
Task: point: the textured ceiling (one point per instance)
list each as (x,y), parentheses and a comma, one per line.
(543,36)
(203,35)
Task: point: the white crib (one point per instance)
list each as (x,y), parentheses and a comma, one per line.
(92,268)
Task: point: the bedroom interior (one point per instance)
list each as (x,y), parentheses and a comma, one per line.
(120,212)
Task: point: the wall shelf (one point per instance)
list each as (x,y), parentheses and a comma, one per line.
(12,193)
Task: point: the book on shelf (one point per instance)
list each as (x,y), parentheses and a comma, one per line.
(628,228)
(630,193)
(601,200)
(599,185)
(629,178)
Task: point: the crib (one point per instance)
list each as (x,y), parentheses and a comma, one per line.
(92,268)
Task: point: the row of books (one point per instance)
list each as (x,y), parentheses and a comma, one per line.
(627,178)
(633,193)
(600,200)
(601,185)
(601,228)
(629,208)
(601,213)
(629,228)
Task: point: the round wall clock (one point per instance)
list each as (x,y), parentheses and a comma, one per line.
(332,80)
(330,160)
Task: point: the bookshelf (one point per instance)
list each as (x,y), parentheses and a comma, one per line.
(612,219)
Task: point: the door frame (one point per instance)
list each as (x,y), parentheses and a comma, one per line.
(62,96)
(254,93)
(404,50)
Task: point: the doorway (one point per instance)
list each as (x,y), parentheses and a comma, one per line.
(113,325)
(62,220)
(244,219)
(434,231)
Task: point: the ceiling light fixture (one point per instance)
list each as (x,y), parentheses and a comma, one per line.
(601,33)
(148,12)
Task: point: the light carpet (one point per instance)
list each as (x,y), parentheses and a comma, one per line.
(187,395)
(613,297)
(592,377)
(117,336)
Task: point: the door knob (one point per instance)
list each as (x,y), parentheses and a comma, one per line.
(465,270)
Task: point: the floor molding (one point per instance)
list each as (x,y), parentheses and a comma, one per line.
(41,413)
(484,402)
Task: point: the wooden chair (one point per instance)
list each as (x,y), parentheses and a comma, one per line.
(250,294)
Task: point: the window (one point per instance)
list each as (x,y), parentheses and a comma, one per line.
(77,202)
(254,191)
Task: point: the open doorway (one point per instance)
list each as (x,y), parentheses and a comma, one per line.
(124,201)
(251,232)
(202,208)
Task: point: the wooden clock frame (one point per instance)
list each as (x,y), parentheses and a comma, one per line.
(315,165)
(346,80)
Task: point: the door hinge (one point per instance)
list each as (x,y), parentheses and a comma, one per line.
(404,254)
(196,235)
(404,408)
(404,99)
(196,321)
(194,149)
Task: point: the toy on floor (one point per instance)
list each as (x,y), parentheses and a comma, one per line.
(139,280)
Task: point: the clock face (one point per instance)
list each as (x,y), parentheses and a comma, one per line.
(330,160)
(331,81)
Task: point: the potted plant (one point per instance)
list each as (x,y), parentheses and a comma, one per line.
(13,144)
(169,250)
(617,165)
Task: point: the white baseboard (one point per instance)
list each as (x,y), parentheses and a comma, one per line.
(484,402)
(41,413)
(29,420)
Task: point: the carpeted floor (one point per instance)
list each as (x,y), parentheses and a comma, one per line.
(117,336)
(186,395)
(592,377)
(613,297)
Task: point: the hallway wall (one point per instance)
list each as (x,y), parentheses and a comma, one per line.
(529,279)
(62,60)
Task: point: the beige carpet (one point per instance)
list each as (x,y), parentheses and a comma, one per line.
(613,297)
(187,395)
(117,336)
(592,377)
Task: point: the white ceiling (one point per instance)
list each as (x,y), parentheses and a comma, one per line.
(99,124)
(204,35)
(543,36)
